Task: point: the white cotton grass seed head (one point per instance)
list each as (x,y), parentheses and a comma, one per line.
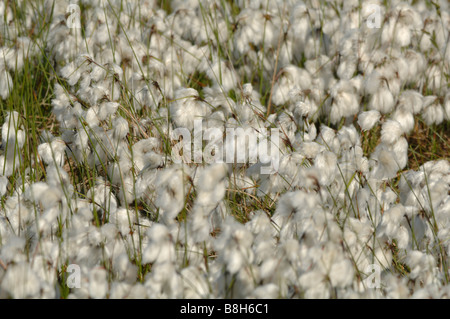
(187,107)
(212,176)
(234,243)
(20,282)
(391,131)
(222,76)
(3,185)
(386,166)
(348,137)
(53,152)
(12,134)
(123,219)
(411,101)
(311,149)
(433,112)
(194,282)
(373,82)
(107,109)
(247,89)
(405,119)
(382,100)
(71,73)
(326,163)
(368,119)
(416,65)
(160,247)
(121,128)
(291,77)
(447,106)
(306,108)
(327,137)
(6,84)
(98,283)
(400,150)
(13,250)
(170,194)
(345,101)
(422,265)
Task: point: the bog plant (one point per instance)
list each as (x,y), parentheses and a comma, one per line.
(121,178)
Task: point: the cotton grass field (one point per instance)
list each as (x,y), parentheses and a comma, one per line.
(224,149)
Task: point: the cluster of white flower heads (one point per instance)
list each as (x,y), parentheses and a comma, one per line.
(139,224)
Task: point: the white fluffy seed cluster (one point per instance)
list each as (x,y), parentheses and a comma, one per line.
(139,225)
